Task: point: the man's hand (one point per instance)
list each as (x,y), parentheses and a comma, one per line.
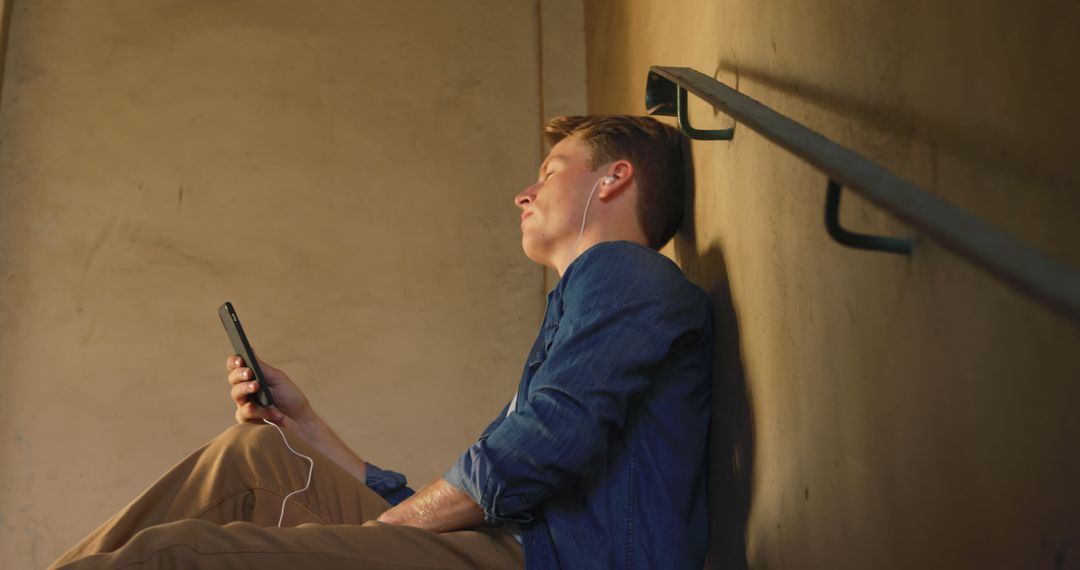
(438,507)
(291,411)
(289,402)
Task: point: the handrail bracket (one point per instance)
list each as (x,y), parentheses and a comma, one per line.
(664,98)
(853,239)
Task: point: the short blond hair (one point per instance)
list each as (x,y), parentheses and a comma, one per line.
(659,153)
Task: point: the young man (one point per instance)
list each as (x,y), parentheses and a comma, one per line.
(597,462)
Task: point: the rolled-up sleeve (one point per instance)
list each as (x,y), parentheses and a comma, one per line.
(459,473)
(601,358)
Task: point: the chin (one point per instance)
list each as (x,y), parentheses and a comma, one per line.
(533,251)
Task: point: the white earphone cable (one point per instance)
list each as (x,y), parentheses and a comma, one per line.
(311,469)
(585,215)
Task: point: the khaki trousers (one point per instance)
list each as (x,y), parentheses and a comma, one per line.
(219,508)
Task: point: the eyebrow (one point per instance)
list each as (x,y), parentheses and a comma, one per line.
(550,160)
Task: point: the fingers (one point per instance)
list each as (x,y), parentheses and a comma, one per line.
(242,385)
(234,361)
(239,375)
(242,391)
(252,412)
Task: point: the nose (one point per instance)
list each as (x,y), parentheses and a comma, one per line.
(525,197)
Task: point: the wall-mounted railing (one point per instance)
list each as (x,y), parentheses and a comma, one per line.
(1044,279)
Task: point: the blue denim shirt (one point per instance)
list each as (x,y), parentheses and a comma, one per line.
(601,457)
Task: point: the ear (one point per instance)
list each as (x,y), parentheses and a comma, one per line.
(623,174)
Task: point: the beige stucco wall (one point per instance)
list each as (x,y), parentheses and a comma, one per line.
(883,412)
(342,171)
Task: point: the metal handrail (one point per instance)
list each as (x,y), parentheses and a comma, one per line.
(1043,278)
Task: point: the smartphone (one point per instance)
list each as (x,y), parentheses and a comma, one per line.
(240,346)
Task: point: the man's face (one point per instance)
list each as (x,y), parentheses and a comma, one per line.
(551,209)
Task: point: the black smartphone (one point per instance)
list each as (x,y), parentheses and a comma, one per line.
(240,346)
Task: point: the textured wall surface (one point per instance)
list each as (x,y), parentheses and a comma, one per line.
(342,171)
(880,411)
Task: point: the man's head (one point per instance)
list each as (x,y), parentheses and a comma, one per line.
(643,201)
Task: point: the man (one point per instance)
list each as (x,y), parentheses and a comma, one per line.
(597,462)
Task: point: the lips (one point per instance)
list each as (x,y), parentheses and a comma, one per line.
(525,215)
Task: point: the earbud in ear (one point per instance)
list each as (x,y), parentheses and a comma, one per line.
(609,179)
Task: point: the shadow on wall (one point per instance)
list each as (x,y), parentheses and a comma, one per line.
(1009,156)
(731,431)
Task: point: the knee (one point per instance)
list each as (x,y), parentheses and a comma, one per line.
(246,435)
(240,440)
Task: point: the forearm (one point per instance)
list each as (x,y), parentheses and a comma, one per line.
(438,507)
(319,435)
